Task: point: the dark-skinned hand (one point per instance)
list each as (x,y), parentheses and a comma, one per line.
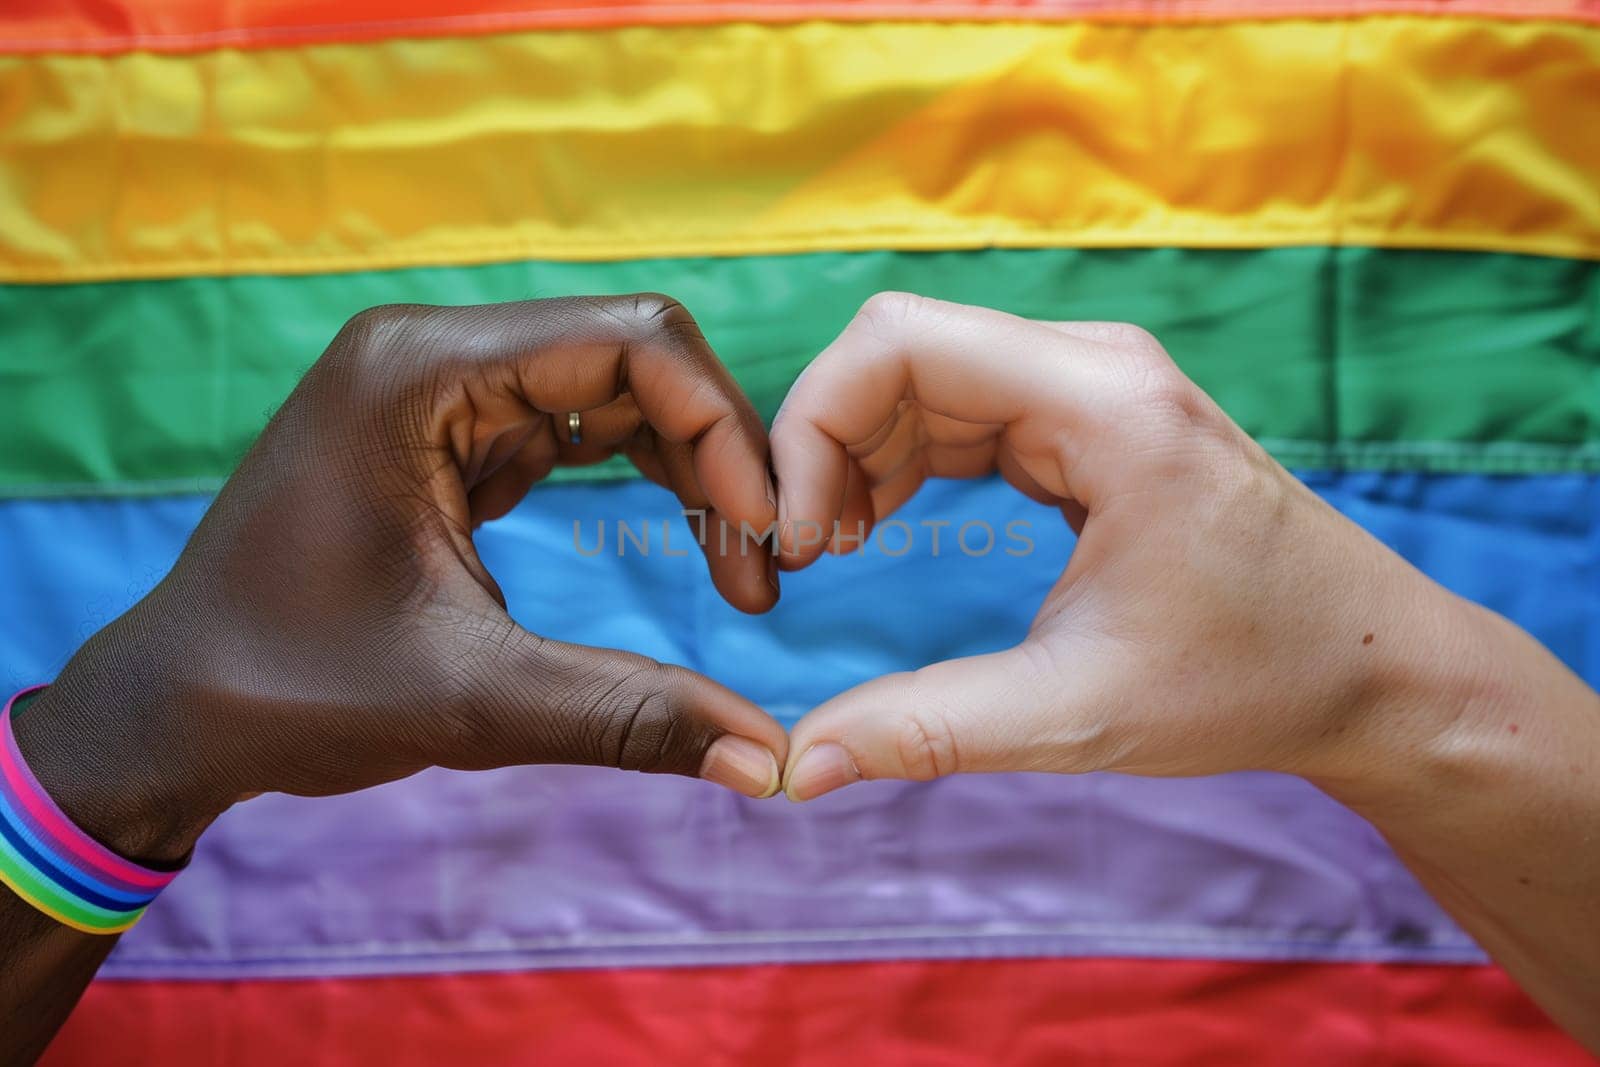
(330,625)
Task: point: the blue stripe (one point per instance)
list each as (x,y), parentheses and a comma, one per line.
(12,811)
(1528,547)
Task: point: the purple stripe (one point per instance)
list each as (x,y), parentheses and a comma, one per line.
(541,867)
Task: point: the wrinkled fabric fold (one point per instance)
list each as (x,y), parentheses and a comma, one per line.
(744,139)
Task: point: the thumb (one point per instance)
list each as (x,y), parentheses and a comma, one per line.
(982,713)
(542,701)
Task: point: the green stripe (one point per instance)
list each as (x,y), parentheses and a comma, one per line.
(1334,357)
(34,887)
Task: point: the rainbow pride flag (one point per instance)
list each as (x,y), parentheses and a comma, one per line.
(1370,228)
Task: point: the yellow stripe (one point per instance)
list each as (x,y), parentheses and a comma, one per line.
(1412,132)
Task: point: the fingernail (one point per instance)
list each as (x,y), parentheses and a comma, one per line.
(772,574)
(821,769)
(772,492)
(741,765)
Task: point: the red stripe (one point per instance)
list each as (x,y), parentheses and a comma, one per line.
(1148,1012)
(191,25)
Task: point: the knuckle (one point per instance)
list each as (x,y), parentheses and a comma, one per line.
(1163,394)
(657,317)
(888,313)
(380,327)
(640,725)
(645,313)
(1135,340)
(654,308)
(1168,429)
(386,350)
(924,740)
(1176,399)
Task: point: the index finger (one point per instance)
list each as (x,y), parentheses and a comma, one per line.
(498,368)
(589,351)
(1048,388)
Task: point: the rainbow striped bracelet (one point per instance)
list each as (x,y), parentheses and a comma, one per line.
(53,865)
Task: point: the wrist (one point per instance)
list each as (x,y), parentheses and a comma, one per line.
(1430,709)
(104,743)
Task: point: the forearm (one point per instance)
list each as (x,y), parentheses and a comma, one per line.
(1484,774)
(44,968)
(106,788)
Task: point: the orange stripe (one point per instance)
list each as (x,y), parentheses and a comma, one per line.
(953,1013)
(193,25)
